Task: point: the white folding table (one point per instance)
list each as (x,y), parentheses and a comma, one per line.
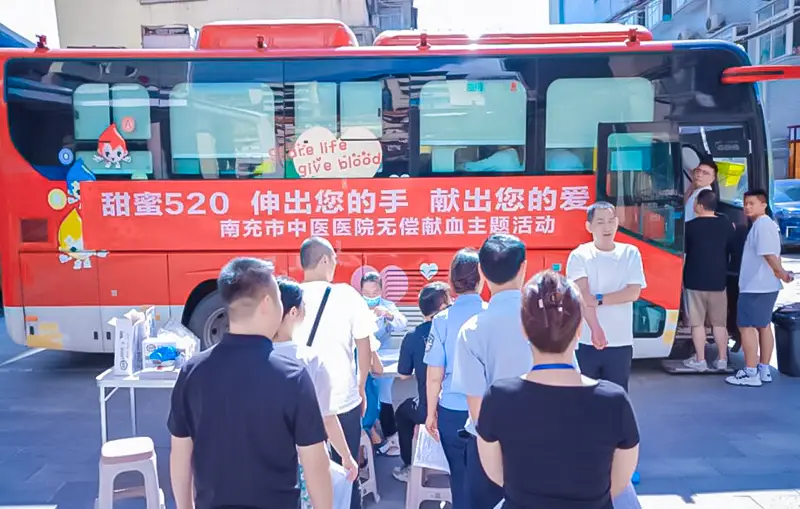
(108,380)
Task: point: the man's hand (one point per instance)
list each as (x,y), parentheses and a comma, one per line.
(351,466)
(382,311)
(599,338)
(590,301)
(432,426)
(785,276)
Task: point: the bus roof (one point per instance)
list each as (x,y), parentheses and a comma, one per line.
(278,34)
(552,34)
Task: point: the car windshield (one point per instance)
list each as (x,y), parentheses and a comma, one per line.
(787,191)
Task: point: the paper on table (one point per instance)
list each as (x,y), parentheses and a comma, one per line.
(429,452)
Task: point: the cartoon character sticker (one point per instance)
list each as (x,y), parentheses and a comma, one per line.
(70,243)
(112,148)
(70,231)
(77,173)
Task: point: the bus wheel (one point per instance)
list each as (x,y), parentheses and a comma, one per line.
(209,321)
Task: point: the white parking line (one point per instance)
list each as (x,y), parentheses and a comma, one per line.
(23,355)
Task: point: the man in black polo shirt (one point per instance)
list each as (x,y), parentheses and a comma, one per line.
(241,413)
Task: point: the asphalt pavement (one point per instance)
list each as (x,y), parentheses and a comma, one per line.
(704,443)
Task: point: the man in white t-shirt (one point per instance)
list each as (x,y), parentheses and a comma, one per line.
(610,277)
(759,283)
(345,325)
(702,177)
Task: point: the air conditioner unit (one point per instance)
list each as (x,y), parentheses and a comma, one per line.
(714,23)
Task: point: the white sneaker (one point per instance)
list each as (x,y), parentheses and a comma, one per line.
(693,363)
(742,378)
(721,365)
(391,447)
(765,373)
(401,473)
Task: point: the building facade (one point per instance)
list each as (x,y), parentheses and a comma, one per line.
(22,20)
(769,30)
(116,23)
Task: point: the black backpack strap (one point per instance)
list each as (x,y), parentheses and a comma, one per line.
(319,316)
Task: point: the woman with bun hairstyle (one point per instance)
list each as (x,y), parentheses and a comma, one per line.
(554,438)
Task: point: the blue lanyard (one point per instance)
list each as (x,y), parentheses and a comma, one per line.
(540,367)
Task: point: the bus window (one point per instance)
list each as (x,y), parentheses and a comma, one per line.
(473,126)
(575,106)
(332,123)
(223,130)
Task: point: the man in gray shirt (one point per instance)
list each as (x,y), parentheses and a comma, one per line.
(491,346)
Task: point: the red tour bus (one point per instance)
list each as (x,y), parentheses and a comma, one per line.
(131,176)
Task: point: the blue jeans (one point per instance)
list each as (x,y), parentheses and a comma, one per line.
(373,405)
(455,450)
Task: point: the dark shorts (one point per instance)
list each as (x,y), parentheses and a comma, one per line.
(755,309)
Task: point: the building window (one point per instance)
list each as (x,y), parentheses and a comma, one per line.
(653,13)
(771,11)
(774,44)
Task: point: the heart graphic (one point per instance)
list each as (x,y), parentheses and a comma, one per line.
(318,153)
(428,270)
(393,278)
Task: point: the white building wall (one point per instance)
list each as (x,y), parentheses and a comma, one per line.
(118,22)
(30,18)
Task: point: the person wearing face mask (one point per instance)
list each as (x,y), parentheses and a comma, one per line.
(294,314)
(389,320)
(241,414)
(703,177)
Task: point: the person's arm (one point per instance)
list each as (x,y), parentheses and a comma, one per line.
(469,372)
(316,469)
(396,320)
(376,366)
(626,455)
(405,363)
(362,326)
(489,450)
(435,360)
(634,271)
(333,427)
(768,245)
(182,446)
(309,435)
(180,470)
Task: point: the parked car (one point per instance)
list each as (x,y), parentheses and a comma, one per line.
(787,211)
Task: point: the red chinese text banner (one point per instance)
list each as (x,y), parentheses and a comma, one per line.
(398,213)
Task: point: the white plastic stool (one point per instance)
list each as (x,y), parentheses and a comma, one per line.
(416,490)
(370,483)
(136,454)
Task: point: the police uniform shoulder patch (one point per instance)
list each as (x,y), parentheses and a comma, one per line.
(428,343)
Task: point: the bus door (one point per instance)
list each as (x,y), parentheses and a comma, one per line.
(639,170)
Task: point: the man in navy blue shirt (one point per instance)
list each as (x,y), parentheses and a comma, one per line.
(433,298)
(241,413)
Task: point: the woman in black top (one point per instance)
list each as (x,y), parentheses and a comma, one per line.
(553,438)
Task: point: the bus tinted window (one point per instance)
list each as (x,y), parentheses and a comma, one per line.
(575,106)
(473,125)
(222,128)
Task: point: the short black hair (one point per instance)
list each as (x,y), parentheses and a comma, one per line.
(432,297)
(707,160)
(291,293)
(312,250)
(464,273)
(244,282)
(758,193)
(371,277)
(598,205)
(707,199)
(501,256)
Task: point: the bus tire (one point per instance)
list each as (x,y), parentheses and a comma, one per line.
(209,320)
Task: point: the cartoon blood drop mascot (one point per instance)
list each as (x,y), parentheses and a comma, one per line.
(111,148)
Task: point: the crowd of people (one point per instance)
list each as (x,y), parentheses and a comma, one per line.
(505,385)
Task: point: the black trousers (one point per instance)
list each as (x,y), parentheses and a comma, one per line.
(407,418)
(351,426)
(612,363)
(481,492)
(388,424)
